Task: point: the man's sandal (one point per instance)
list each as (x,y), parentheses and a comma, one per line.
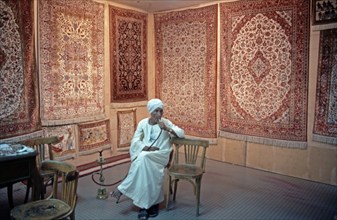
(116,194)
(143,215)
(153,210)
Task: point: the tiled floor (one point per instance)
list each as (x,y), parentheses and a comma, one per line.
(228,192)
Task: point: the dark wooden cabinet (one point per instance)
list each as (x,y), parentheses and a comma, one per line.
(19,167)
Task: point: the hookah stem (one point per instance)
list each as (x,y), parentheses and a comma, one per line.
(101,178)
(111,184)
(101,184)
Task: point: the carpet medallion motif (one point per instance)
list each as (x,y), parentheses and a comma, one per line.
(19,113)
(128,55)
(186,68)
(263,76)
(325,122)
(71,45)
(94,136)
(126,121)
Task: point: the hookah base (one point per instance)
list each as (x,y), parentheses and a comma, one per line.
(101,193)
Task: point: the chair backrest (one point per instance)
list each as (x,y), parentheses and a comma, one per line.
(194,151)
(67,175)
(43,146)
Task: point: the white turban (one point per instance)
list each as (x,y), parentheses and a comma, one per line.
(153,104)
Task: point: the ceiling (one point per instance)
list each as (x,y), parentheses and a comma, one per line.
(152,6)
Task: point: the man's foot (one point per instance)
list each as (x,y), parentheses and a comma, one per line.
(116,194)
(153,210)
(143,215)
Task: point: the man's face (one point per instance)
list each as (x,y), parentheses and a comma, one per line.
(157,113)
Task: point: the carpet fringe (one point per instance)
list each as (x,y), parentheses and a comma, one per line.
(66,157)
(212,141)
(72,121)
(324,139)
(22,137)
(116,105)
(92,151)
(266,141)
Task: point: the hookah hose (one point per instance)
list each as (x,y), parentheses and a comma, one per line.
(114,183)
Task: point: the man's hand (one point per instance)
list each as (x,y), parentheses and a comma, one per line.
(153,148)
(150,148)
(162,125)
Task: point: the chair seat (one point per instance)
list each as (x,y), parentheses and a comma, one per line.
(41,210)
(188,167)
(45,173)
(185,170)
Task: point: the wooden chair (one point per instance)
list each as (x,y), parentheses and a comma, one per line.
(190,167)
(58,205)
(43,146)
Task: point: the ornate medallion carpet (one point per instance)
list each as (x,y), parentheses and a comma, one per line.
(19,110)
(186,44)
(264,71)
(94,136)
(71,61)
(128,63)
(325,122)
(126,122)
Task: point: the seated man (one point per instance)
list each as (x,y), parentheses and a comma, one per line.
(150,151)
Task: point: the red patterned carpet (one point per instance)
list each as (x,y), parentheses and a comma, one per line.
(126,127)
(72,59)
(128,52)
(94,136)
(264,71)
(186,68)
(325,125)
(19,110)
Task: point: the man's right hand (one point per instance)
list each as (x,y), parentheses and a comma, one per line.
(153,148)
(146,148)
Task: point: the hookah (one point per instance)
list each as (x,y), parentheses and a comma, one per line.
(101,192)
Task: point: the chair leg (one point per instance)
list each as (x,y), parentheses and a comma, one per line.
(43,190)
(198,185)
(29,184)
(175,189)
(10,195)
(72,215)
(169,192)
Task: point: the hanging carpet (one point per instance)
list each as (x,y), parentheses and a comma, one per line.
(325,123)
(19,109)
(72,61)
(186,44)
(264,71)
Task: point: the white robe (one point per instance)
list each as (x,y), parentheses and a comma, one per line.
(144,181)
